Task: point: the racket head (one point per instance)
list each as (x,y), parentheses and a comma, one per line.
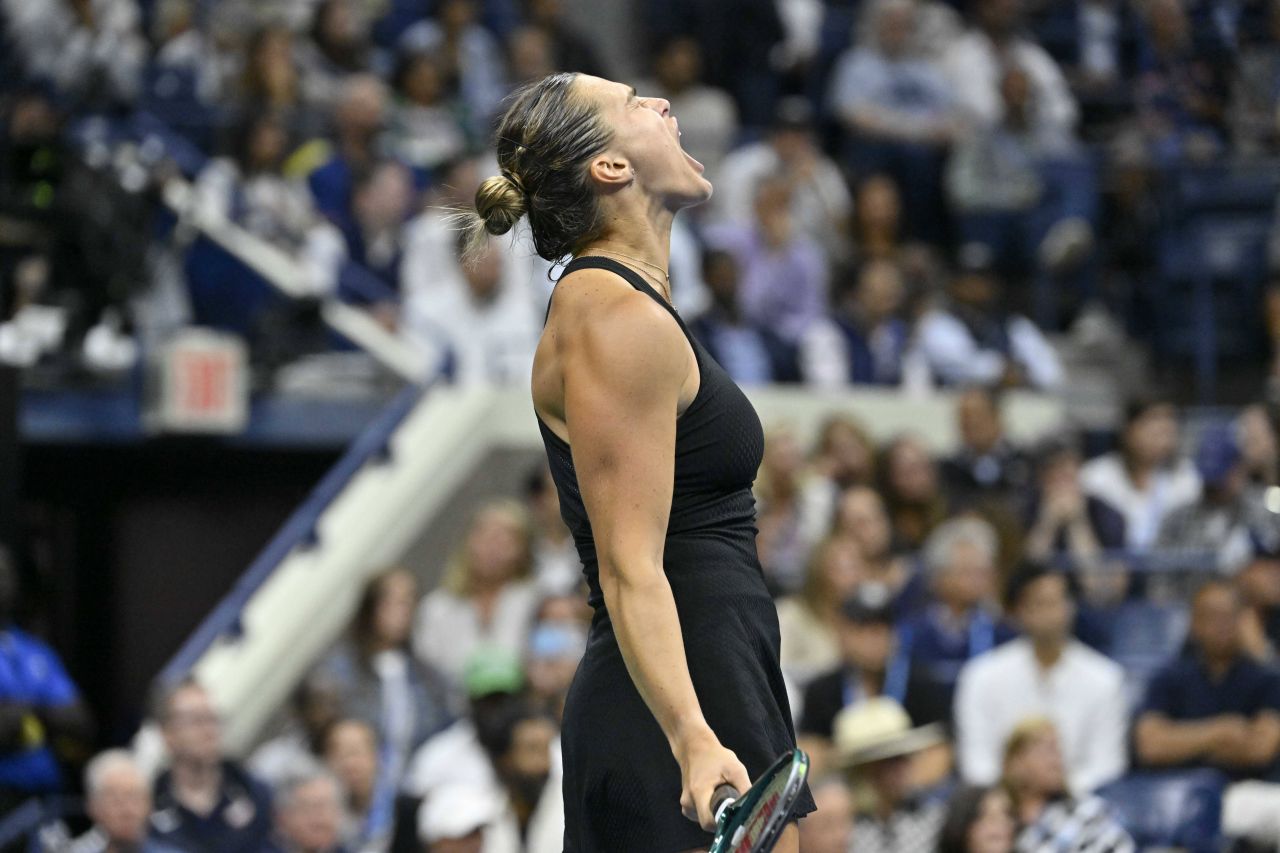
(754,822)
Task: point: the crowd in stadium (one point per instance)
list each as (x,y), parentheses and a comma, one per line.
(982,650)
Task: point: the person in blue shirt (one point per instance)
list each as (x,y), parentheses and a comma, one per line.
(205,802)
(40,707)
(961,622)
(1213,706)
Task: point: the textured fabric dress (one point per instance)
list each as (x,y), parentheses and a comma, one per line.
(621,782)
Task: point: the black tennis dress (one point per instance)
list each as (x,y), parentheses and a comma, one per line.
(621,782)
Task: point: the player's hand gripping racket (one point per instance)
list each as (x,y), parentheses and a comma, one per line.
(752,822)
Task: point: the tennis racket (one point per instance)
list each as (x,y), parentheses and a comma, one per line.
(752,822)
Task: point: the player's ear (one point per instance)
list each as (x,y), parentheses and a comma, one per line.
(611,172)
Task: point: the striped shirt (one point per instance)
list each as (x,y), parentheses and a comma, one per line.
(1075,826)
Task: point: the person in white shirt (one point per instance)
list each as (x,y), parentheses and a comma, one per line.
(1046,673)
(820,202)
(970,339)
(1145,480)
(479,323)
(487,598)
(974,64)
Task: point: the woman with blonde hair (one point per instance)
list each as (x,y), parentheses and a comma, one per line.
(1048,816)
(808,618)
(487,597)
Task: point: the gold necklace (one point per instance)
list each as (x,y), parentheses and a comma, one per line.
(665,276)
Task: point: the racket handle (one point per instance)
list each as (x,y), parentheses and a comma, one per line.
(721,798)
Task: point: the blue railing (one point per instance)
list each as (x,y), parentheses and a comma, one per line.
(298,531)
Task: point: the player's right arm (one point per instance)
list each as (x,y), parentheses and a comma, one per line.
(625,363)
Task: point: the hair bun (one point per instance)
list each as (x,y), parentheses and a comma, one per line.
(501,202)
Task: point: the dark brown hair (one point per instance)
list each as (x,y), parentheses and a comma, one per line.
(545,140)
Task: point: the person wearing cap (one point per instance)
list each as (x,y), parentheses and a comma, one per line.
(1229,521)
(1046,672)
(820,202)
(972,338)
(523,746)
(872,665)
(454,819)
(877,745)
(492,677)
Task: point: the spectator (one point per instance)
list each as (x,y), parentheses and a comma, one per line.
(308,814)
(972,338)
(708,118)
(477,320)
(1145,479)
(473,57)
(118,801)
(338,46)
(818,199)
(529,55)
(90,51)
(529,801)
(962,623)
(1254,91)
(1024,190)
(911,491)
(864,340)
(808,620)
(830,828)
(455,819)
(405,701)
(570,49)
(748,349)
(878,220)
(1181,90)
(876,742)
(845,453)
(978,820)
(784,272)
(555,555)
(898,110)
(1213,706)
(873,663)
(317,704)
(351,752)
(187,61)
(486,598)
(793,512)
(1049,816)
(381,199)
(426,123)
(358,117)
(41,712)
(1259,447)
(204,801)
(974,61)
(1229,520)
(556,644)
(272,83)
(1048,673)
(862,516)
(492,679)
(1063,521)
(988,471)
(1259,586)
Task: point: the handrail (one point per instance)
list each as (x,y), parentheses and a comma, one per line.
(298,531)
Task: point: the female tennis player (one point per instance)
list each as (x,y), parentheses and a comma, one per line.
(653,449)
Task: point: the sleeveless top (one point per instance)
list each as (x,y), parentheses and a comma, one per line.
(710,545)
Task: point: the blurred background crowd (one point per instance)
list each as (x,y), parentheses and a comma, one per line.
(1062,646)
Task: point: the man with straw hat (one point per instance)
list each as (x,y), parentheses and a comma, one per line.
(875,744)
